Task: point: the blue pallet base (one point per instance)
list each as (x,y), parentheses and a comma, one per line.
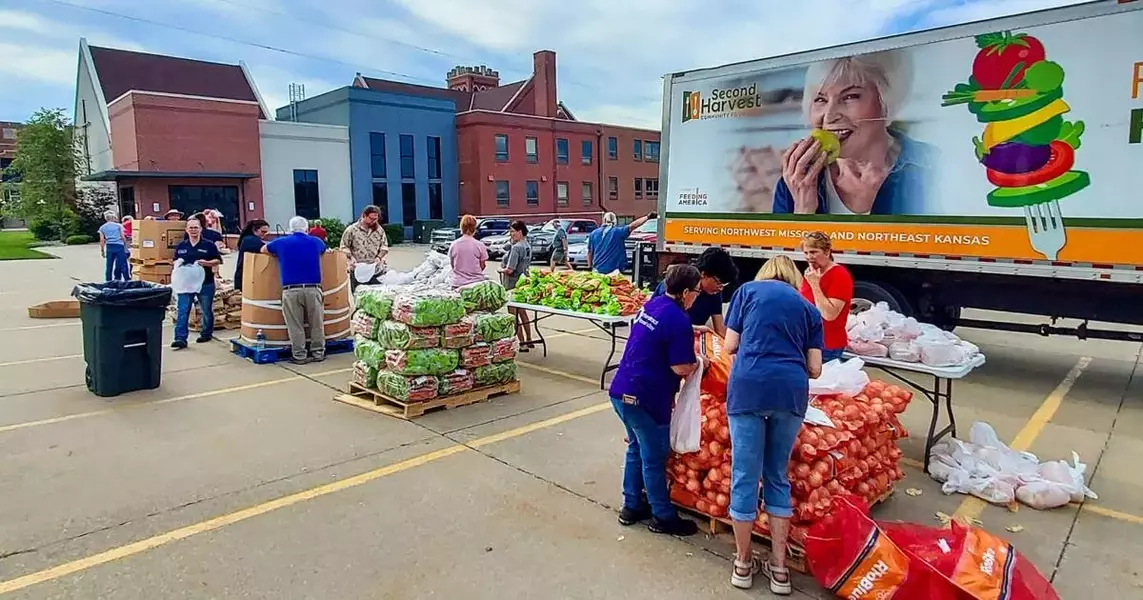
(270,355)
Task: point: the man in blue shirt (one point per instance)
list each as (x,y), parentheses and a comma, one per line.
(606,247)
(659,353)
(196,250)
(718,270)
(299,262)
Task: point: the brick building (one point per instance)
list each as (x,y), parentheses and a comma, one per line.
(9,186)
(523,153)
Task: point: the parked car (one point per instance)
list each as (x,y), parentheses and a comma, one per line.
(647,232)
(442,238)
(497,245)
(541,239)
(577,255)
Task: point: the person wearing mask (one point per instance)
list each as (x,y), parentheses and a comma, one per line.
(364,241)
(560,246)
(828,286)
(467,255)
(516,265)
(776,339)
(196,250)
(250,241)
(606,246)
(113,249)
(299,264)
(317,230)
(659,353)
(718,270)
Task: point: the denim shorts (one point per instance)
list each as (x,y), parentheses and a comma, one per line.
(760,445)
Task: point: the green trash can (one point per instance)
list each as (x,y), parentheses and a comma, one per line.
(122,334)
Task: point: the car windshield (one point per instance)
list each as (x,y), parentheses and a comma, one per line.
(651,226)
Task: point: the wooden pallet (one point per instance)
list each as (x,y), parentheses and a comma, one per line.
(376,401)
(273,354)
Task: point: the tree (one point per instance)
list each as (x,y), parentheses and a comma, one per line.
(46,163)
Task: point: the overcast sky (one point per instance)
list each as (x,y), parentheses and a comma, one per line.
(611,54)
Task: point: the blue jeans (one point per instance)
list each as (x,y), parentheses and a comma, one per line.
(205,299)
(828,355)
(760,445)
(115,265)
(645,470)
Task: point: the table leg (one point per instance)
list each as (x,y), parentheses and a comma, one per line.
(607,366)
(940,393)
(536,327)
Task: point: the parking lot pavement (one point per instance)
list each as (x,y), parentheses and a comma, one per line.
(236,480)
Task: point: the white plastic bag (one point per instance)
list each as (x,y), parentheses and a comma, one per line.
(364,271)
(1071,477)
(845,378)
(905,352)
(1043,495)
(942,353)
(686,419)
(187,278)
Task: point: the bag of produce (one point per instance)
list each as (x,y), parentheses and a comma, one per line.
(422,361)
(465,326)
(476,355)
(495,373)
(460,380)
(369,352)
(483,295)
(375,300)
(492,327)
(428,307)
(364,375)
(417,388)
(394,335)
(505,350)
(458,341)
(364,325)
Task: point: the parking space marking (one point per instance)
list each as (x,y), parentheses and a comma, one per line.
(535,367)
(971,507)
(218,522)
(45,326)
(1112,514)
(39,360)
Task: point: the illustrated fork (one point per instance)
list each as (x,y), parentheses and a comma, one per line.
(1045,228)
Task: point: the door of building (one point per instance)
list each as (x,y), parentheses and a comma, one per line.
(190,199)
(126,201)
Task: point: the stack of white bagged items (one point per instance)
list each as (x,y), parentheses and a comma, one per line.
(434,271)
(881,332)
(987,468)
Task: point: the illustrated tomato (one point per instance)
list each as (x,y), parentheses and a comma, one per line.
(1003,58)
(1062,159)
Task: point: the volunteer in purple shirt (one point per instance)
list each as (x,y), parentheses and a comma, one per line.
(467,255)
(660,352)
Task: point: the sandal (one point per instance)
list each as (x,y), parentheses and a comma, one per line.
(774,574)
(742,575)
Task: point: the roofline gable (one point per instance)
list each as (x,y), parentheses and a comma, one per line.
(516,97)
(85,59)
(257,93)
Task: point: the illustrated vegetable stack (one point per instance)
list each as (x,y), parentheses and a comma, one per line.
(612,295)
(1028,149)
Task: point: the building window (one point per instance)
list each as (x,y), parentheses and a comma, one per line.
(9,133)
(651,151)
(502,193)
(612,148)
(562,193)
(638,188)
(501,147)
(637,149)
(306,203)
(561,151)
(434,157)
(436,201)
(531,150)
(191,199)
(585,192)
(651,187)
(532,193)
(5,176)
(381,199)
(408,203)
(407,162)
(377,155)
(613,187)
(586,151)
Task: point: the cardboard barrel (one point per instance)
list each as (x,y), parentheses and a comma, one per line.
(262,298)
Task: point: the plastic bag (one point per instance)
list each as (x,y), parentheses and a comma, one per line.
(864,348)
(457,341)
(716,363)
(942,353)
(476,355)
(905,351)
(375,300)
(364,271)
(428,307)
(408,389)
(394,335)
(364,325)
(364,375)
(686,418)
(369,352)
(187,278)
(1070,476)
(840,378)
(423,361)
(492,327)
(483,295)
(495,373)
(138,294)
(1044,495)
(460,380)
(505,350)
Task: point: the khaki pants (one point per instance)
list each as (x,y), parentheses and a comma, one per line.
(299,306)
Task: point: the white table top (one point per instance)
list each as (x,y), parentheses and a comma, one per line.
(605,319)
(956,372)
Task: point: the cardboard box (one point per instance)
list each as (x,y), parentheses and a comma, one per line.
(155,241)
(262,287)
(56,309)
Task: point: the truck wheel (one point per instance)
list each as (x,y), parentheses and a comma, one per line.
(945,317)
(868,293)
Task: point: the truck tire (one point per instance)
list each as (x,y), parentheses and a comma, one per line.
(868,293)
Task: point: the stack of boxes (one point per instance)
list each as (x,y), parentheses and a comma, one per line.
(153,246)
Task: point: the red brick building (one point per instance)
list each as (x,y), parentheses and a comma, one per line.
(523,153)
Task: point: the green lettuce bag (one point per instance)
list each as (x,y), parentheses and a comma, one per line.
(364,375)
(424,361)
(417,388)
(496,326)
(375,300)
(395,335)
(428,307)
(483,295)
(369,352)
(495,373)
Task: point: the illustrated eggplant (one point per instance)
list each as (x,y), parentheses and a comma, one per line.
(1015,158)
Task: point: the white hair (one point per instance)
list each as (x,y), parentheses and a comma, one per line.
(299,224)
(883,71)
(110,215)
(609,218)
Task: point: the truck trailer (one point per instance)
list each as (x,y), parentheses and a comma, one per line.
(991,165)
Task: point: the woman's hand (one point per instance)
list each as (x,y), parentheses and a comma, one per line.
(857,184)
(802,164)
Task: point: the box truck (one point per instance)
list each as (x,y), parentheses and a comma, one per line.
(991,165)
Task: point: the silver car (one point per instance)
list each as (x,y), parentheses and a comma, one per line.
(577,255)
(497,245)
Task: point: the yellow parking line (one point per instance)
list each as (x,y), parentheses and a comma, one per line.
(1113,514)
(182,533)
(536,367)
(971,506)
(39,360)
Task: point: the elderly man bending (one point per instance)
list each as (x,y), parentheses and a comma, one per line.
(299,262)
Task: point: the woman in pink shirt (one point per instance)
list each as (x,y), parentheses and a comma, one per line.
(467,254)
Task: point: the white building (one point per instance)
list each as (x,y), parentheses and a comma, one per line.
(305,171)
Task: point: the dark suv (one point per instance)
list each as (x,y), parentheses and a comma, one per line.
(442,238)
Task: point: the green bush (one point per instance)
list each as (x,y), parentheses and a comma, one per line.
(78,240)
(333,230)
(395,232)
(46,229)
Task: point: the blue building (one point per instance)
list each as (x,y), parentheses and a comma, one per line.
(402,150)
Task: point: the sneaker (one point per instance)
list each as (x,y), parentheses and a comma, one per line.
(317,358)
(742,574)
(631,516)
(202,339)
(178,345)
(678,527)
(300,361)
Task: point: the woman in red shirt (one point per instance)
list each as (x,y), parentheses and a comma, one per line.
(828,286)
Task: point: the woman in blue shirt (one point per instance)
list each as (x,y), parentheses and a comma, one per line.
(113,247)
(251,240)
(776,337)
(660,352)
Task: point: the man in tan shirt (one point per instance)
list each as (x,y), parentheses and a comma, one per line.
(364,241)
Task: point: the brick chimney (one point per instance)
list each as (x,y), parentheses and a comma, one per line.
(544,83)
